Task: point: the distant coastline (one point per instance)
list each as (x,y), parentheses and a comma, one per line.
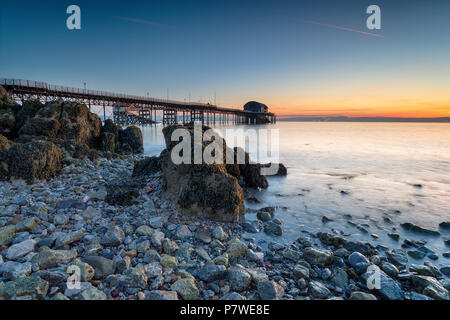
(363,119)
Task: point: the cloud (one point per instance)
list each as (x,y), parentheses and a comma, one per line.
(346,29)
(142,21)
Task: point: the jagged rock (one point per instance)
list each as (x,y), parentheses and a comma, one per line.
(131,138)
(317,256)
(27,286)
(200,189)
(124,192)
(186,288)
(281,170)
(38,160)
(162,295)
(7,121)
(102,267)
(108,142)
(7,235)
(146,167)
(270,290)
(48,258)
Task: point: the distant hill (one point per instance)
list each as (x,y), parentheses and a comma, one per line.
(364,119)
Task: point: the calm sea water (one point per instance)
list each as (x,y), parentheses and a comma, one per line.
(367,170)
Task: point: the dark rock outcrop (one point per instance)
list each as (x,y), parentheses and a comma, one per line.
(131,138)
(200,189)
(124,192)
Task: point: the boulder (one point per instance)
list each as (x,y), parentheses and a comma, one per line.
(7,121)
(131,137)
(200,189)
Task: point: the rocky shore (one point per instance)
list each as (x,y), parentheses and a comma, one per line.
(143,228)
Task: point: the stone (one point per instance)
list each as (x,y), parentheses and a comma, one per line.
(203,235)
(234,296)
(269,290)
(27,286)
(154,270)
(157,238)
(13,270)
(147,166)
(168,261)
(239,278)
(421,269)
(291,254)
(398,257)
(358,295)
(20,250)
(69,238)
(144,230)
(169,246)
(186,288)
(219,234)
(92,294)
(87,272)
(37,160)
(48,258)
(28,224)
(273,229)
(134,278)
(132,137)
(389,269)
(102,267)
(212,272)
(384,285)
(318,290)
(416,254)
(7,235)
(205,190)
(418,229)
(99,195)
(163,295)
(318,257)
(300,272)
(113,237)
(183,232)
(236,249)
(143,246)
(339,278)
(76,290)
(356,258)
(429,286)
(61,219)
(222,260)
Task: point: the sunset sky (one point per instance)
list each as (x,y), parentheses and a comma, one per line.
(298,57)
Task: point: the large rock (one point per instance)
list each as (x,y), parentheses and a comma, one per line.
(32,286)
(146,167)
(201,189)
(38,160)
(7,121)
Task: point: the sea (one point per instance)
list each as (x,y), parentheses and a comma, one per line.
(365,178)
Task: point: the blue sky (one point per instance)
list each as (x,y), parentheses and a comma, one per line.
(242,50)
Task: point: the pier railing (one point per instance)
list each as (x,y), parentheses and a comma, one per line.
(132,108)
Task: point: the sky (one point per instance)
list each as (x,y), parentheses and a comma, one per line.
(298,57)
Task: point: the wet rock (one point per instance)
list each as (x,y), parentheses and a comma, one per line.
(92,294)
(219,234)
(200,189)
(48,258)
(358,295)
(384,285)
(203,235)
(13,270)
(144,230)
(398,257)
(113,237)
(146,167)
(134,278)
(162,295)
(416,254)
(390,269)
(429,286)
(186,288)
(233,296)
(239,279)
(123,192)
(318,290)
(212,273)
(317,256)
(37,160)
(102,267)
(355,258)
(236,249)
(269,290)
(281,169)
(339,278)
(168,261)
(445,225)
(273,229)
(7,235)
(300,272)
(20,250)
(131,137)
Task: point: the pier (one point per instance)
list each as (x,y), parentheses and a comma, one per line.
(131,109)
